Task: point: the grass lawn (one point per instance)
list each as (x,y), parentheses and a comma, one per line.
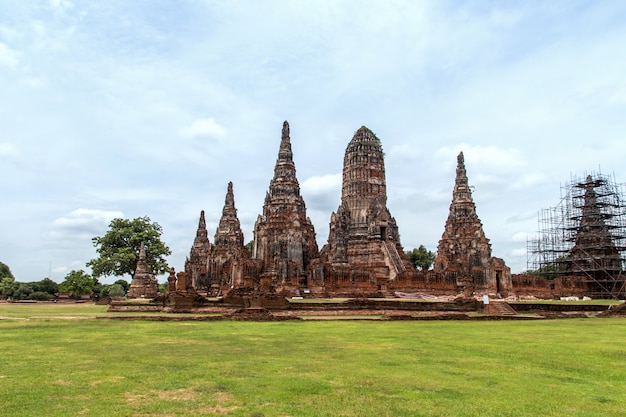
(67,367)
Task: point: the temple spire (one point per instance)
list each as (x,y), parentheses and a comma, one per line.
(462,191)
(285,154)
(229,201)
(201,232)
(228,235)
(142,265)
(284,181)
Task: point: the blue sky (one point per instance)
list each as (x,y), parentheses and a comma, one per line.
(134,108)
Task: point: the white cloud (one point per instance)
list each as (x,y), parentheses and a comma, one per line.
(523,216)
(520,237)
(61,4)
(490,156)
(80,224)
(322,184)
(8,57)
(322,193)
(204,128)
(518,253)
(8,149)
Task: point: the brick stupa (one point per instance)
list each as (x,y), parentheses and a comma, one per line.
(144,283)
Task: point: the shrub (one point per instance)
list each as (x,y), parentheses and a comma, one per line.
(40,296)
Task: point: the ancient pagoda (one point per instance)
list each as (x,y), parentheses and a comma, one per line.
(196,263)
(225,262)
(464,251)
(284,237)
(363,238)
(594,253)
(144,284)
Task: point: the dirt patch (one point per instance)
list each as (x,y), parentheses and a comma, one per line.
(182,394)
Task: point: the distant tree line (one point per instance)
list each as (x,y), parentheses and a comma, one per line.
(75,283)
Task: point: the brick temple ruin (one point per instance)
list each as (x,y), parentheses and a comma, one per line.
(364,257)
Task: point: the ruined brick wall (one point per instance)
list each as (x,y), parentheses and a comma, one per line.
(527,285)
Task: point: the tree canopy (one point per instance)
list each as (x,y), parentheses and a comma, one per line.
(421,258)
(78,283)
(118,249)
(5,272)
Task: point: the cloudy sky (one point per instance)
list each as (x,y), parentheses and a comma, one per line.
(149,108)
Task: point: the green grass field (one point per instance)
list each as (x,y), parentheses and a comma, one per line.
(82,366)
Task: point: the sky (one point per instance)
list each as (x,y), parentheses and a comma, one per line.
(149,108)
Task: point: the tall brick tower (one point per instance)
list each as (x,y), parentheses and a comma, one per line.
(196,263)
(464,251)
(363,234)
(229,252)
(284,237)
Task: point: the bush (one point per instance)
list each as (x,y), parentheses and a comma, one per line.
(40,296)
(116,290)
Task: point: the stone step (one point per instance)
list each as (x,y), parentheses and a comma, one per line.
(500,308)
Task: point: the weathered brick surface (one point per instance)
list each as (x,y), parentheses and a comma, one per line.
(144,284)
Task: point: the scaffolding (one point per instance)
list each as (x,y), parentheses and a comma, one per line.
(584,236)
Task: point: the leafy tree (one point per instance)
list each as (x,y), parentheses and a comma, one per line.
(118,249)
(46,285)
(124,284)
(23,291)
(250,247)
(40,296)
(5,272)
(8,286)
(421,258)
(78,283)
(116,290)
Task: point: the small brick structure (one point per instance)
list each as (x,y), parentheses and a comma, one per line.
(144,284)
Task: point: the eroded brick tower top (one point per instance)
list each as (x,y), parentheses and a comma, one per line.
(196,263)
(228,236)
(363,173)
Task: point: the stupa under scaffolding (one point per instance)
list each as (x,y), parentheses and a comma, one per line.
(584,236)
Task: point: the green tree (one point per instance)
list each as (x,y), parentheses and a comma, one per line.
(421,258)
(5,272)
(23,291)
(124,284)
(46,285)
(116,290)
(118,249)
(78,283)
(8,286)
